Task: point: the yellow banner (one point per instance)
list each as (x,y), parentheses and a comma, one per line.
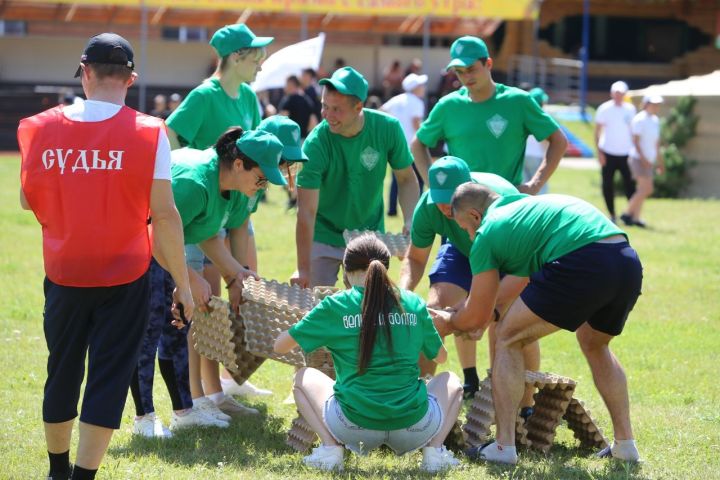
(503,9)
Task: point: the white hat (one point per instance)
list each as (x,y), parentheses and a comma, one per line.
(652,99)
(619,86)
(412,81)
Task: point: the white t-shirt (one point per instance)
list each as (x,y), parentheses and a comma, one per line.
(535,149)
(405,107)
(97,111)
(647,127)
(615,136)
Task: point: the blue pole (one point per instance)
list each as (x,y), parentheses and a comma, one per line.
(584,57)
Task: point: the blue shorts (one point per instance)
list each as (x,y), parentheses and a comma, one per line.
(362,440)
(598,284)
(451,266)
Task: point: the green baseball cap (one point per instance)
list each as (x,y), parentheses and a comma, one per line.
(232,38)
(264,149)
(445,175)
(467,50)
(348,81)
(288,132)
(539,95)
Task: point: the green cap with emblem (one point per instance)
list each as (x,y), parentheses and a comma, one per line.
(467,50)
(445,175)
(348,81)
(288,132)
(264,149)
(232,38)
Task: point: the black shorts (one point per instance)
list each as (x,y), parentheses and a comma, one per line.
(107,324)
(598,283)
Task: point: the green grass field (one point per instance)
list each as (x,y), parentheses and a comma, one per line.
(669,349)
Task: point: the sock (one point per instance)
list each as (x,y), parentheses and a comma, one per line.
(625,450)
(80,473)
(471,377)
(59,465)
(499,453)
(216,397)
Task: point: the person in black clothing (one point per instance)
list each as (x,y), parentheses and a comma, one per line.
(311,87)
(297,106)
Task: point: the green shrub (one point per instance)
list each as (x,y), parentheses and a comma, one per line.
(677,129)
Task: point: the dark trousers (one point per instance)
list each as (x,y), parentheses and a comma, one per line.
(393,200)
(615,163)
(169,344)
(106,325)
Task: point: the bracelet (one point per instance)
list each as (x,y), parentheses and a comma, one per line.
(497,314)
(230,283)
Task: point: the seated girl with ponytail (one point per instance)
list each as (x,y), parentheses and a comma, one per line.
(375,333)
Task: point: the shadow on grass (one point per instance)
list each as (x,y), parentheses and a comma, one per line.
(246,443)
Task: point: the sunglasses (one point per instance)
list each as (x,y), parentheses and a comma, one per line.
(260,182)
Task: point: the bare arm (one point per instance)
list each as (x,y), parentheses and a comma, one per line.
(307,203)
(441,356)
(312,123)
(510,288)
(173,138)
(168,241)
(423,159)
(601,154)
(413,266)
(408,194)
(284,343)
(240,243)
(556,149)
(478,310)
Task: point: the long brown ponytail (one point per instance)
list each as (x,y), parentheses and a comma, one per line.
(380,298)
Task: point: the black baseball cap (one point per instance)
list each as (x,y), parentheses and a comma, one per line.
(108,48)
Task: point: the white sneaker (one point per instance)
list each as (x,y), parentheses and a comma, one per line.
(228,405)
(208,407)
(623,450)
(247,389)
(195,418)
(325,458)
(493,452)
(436,459)
(150,426)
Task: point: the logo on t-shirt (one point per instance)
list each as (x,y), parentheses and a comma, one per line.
(369,157)
(497,125)
(252,201)
(441,177)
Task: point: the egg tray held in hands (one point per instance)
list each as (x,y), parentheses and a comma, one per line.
(270,308)
(397,243)
(219,335)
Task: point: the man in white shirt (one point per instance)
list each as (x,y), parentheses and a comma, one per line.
(613,138)
(409,108)
(645,157)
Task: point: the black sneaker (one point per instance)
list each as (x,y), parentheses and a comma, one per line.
(526,413)
(640,223)
(627,220)
(469,391)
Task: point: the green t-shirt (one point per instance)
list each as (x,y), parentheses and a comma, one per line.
(389,395)
(490,136)
(208,111)
(196,188)
(350,172)
(518,238)
(429,221)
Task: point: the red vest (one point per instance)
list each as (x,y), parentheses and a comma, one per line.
(88,184)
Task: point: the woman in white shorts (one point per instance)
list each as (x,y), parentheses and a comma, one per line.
(375,333)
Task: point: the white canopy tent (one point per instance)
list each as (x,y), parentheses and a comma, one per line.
(704,148)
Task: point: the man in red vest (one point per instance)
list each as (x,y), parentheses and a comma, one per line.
(94,174)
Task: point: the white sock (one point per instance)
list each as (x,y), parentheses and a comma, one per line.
(625,450)
(226,381)
(216,397)
(500,453)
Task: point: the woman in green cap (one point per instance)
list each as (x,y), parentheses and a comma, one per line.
(216,189)
(375,333)
(222,101)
